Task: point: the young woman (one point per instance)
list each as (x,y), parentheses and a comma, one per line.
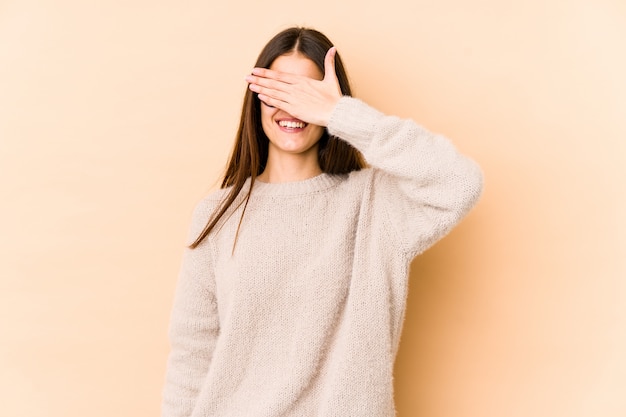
(292,293)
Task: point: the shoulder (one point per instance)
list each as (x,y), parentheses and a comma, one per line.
(209,202)
(204,209)
(352,185)
(360,178)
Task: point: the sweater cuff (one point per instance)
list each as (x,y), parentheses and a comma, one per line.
(353,121)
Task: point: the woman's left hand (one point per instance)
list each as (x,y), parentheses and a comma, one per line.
(304,98)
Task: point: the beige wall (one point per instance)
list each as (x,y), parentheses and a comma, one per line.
(117,116)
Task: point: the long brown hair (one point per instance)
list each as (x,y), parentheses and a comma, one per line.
(250,151)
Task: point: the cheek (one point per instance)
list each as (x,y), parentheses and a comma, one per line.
(317,132)
(266,118)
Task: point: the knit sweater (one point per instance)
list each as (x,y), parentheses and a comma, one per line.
(304,317)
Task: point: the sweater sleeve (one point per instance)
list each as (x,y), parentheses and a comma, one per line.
(194,325)
(420,181)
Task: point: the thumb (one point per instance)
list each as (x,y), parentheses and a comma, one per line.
(329,65)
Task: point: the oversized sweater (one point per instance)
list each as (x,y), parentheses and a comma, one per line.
(303,318)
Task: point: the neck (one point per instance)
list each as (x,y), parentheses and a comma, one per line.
(288,173)
(289,168)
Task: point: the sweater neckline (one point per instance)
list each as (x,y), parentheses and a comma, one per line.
(311,185)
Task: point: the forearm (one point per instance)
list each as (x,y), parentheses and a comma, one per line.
(422,179)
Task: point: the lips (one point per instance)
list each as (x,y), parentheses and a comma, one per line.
(291,125)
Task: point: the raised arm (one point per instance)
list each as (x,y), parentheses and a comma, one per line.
(421,182)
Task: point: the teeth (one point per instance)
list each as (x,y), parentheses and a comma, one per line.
(291,125)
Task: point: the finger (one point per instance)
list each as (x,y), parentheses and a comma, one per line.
(273,102)
(275,75)
(329,64)
(269,92)
(267,83)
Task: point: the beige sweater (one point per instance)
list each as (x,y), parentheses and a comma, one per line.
(304,319)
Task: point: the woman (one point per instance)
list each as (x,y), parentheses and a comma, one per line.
(292,293)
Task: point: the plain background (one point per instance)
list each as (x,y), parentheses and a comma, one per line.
(116,117)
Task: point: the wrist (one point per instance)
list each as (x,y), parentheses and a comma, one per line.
(331,109)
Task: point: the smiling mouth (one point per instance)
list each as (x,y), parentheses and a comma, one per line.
(291,125)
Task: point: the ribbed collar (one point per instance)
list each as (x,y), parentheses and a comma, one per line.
(309,186)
